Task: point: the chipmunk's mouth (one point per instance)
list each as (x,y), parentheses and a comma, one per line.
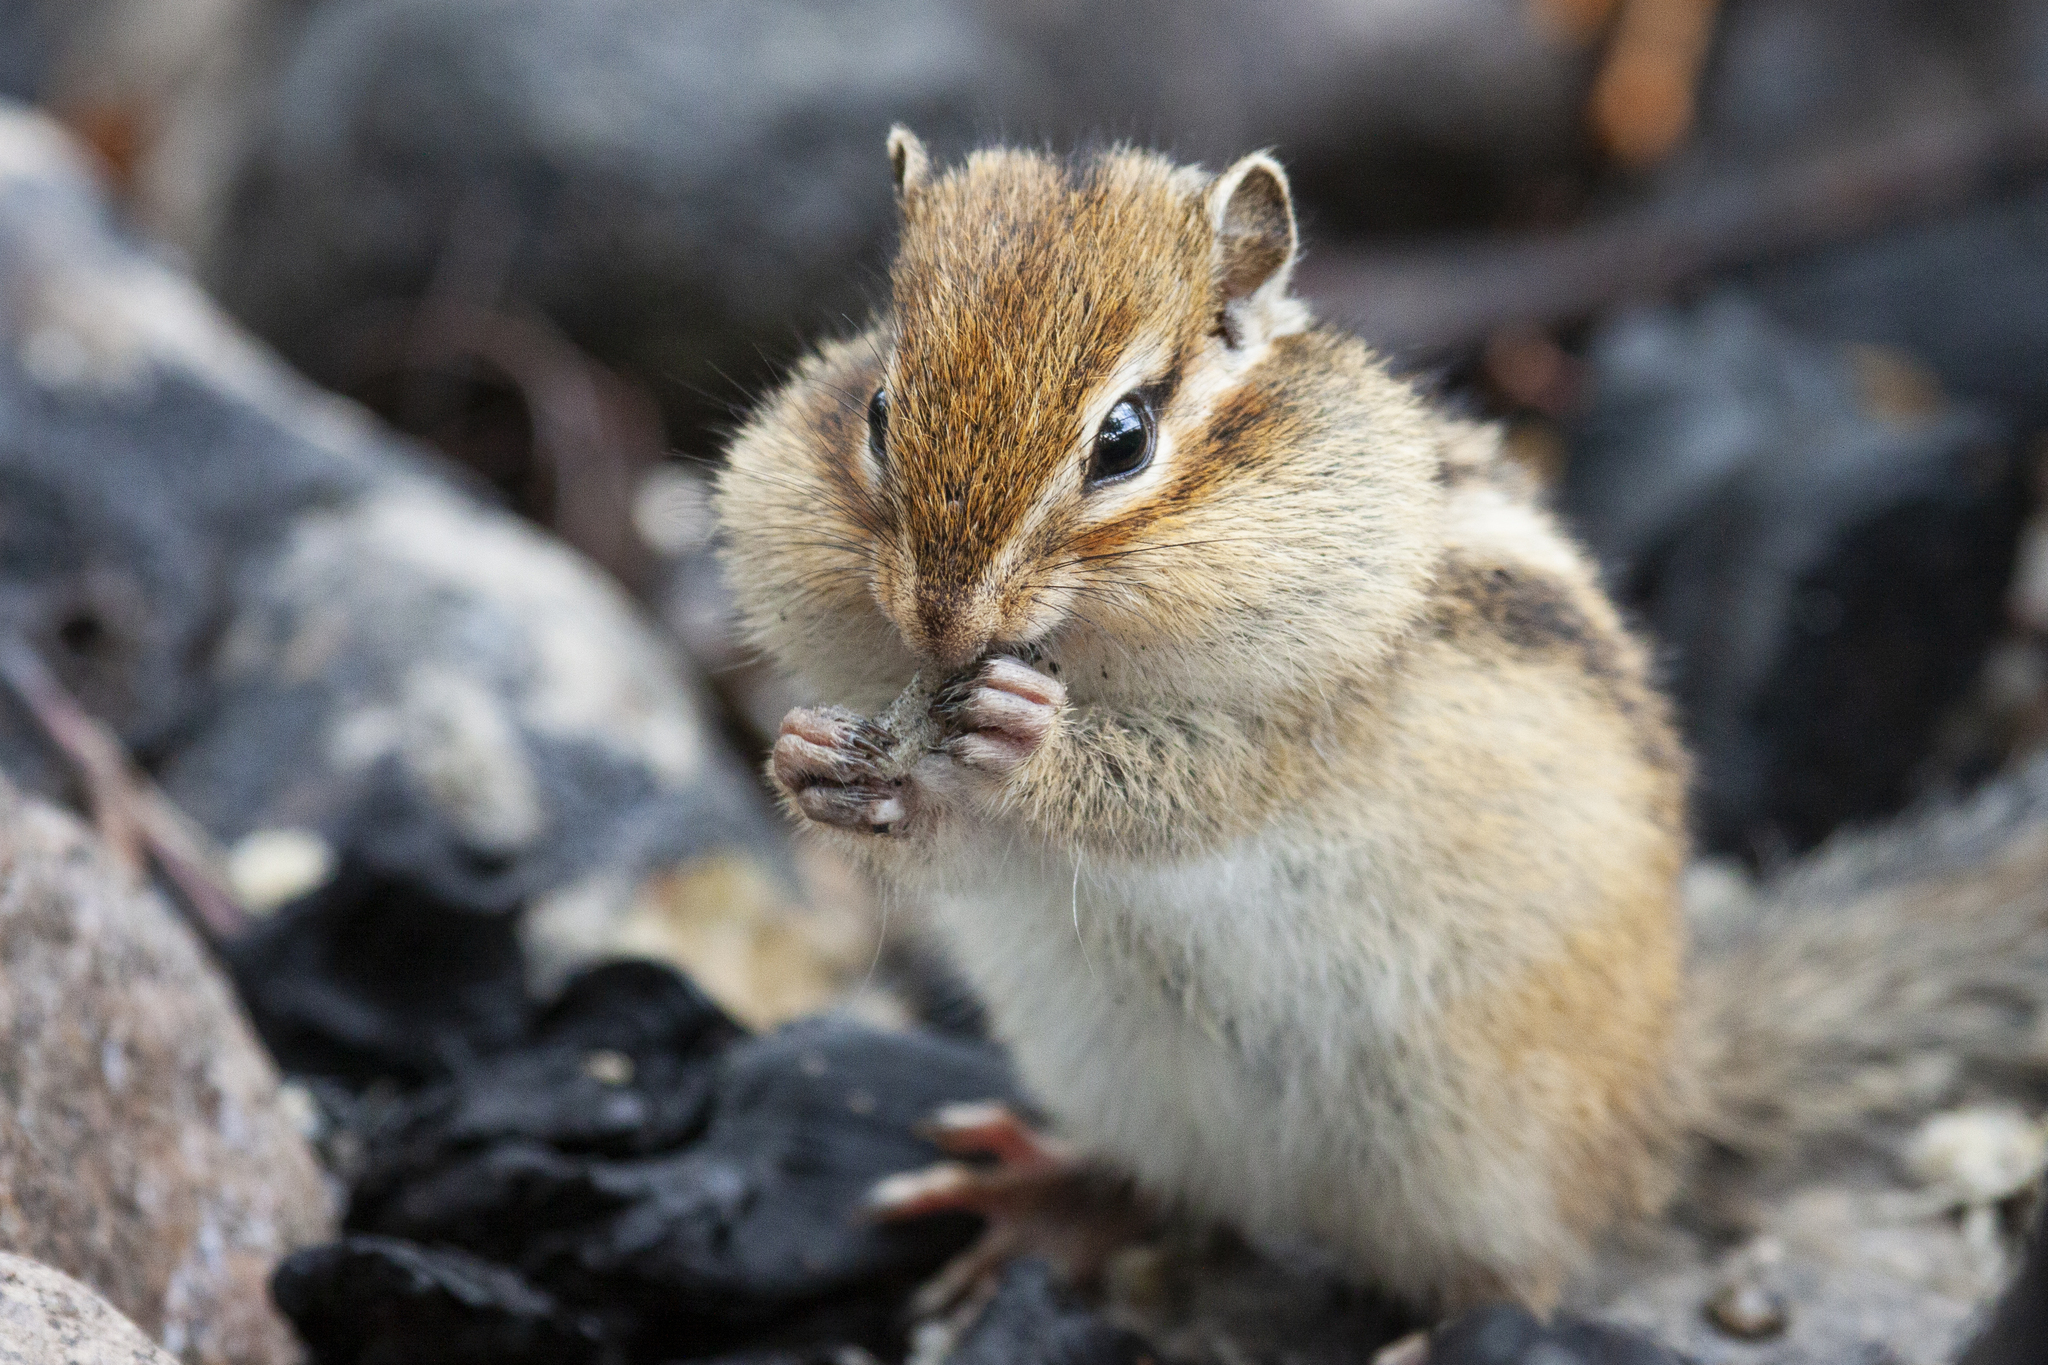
(952,618)
(951,628)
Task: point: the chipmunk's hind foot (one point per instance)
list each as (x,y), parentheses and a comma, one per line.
(1039,1199)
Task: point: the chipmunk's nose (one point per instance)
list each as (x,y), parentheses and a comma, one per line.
(952,628)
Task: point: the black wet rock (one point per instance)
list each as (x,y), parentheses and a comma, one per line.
(680,187)
(373,977)
(377,1301)
(1032,1320)
(758,1215)
(618,1065)
(1507,1334)
(1793,74)
(1820,547)
(638,1162)
(1965,294)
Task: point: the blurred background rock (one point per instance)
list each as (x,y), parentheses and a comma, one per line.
(566,241)
(1759,288)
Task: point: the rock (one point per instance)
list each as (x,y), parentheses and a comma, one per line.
(1966,295)
(1795,72)
(752,1220)
(145,1149)
(675,185)
(163,91)
(636,1175)
(1747,1311)
(1980,1155)
(268,868)
(48,1318)
(1031,1321)
(295,621)
(1852,1288)
(620,1065)
(1820,544)
(1508,1335)
(375,1299)
(374,977)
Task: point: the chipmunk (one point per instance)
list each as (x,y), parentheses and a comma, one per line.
(1270,762)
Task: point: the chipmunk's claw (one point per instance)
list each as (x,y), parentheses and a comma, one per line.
(830,765)
(1001,714)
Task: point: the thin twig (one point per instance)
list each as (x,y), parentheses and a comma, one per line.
(1443,299)
(594,432)
(133,815)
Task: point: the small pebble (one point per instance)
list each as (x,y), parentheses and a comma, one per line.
(268,867)
(1748,1312)
(1412,1349)
(609,1067)
(301,1110)
(1981,1155)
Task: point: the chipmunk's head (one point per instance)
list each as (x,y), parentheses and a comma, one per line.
(1063,335)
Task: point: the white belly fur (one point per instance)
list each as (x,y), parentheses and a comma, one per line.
(1201,1032)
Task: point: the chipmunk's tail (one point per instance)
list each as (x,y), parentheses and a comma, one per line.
(1877,980)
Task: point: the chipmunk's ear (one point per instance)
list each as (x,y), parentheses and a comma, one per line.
(907,160)
(1253,215)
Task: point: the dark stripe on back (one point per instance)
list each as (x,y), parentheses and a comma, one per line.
(1532,614)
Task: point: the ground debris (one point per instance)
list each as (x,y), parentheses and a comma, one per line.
(639,1163)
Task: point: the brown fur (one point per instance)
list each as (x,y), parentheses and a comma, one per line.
(1296,633)
(1320,867)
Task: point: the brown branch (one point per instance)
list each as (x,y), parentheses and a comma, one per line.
(594,432)
(1441,299)
(132,813)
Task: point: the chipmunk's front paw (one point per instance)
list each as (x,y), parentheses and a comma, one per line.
(830,763)
(1000,715)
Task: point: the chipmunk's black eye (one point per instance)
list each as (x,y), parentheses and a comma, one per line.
(878,425)
(1123,445)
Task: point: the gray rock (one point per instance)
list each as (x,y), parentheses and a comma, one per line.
(1820,540)
(48,1318)
(1862,1291)
(1966,294)
(146,1148)
(290,618)
(684,187)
